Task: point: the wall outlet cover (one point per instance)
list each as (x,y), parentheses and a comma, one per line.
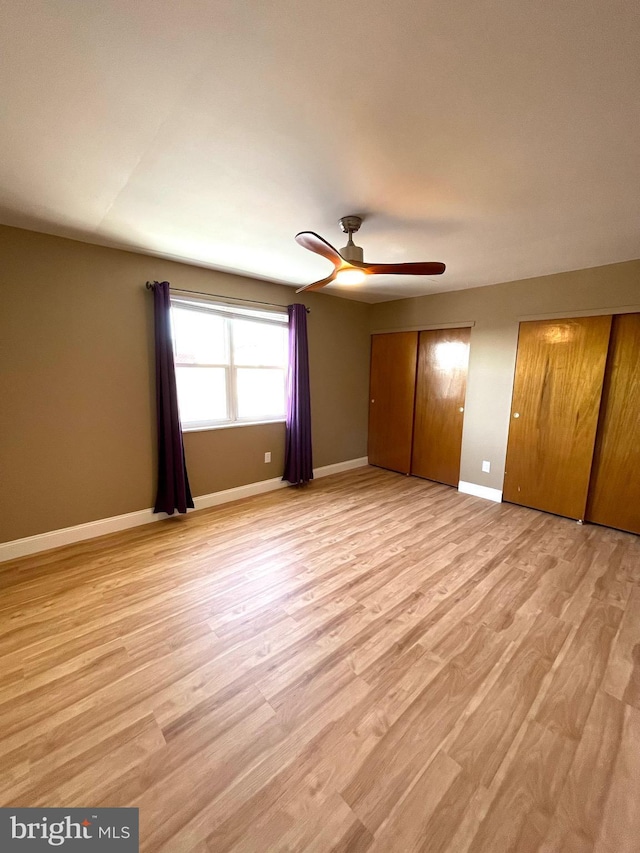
(267,456)
(486,466)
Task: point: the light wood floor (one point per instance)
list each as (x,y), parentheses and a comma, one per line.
(373,663)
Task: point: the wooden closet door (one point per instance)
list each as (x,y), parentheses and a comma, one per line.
(614,496)
(441,384)
(392,391)
(554,414)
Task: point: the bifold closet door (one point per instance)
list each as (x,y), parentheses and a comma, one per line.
(554,415)
(614,496)
(441,384)
(392,391)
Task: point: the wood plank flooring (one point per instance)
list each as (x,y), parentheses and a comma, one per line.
(372,663)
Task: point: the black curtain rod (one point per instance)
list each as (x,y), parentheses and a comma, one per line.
(222,296)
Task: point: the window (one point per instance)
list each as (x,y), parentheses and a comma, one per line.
(230,363)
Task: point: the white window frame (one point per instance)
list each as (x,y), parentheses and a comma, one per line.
(229,313)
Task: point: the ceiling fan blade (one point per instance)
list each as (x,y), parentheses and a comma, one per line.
(315,243)
(318,284)
(425,268)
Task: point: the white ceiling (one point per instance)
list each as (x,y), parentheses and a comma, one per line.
(502,138)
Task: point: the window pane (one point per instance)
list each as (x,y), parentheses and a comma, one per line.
(202,393)
(199,338)
(259,344)
(260,393)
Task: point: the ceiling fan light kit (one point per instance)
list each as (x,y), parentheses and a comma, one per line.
(349,266)
(350,276)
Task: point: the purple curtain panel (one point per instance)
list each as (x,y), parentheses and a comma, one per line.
(173,482)
(298,461)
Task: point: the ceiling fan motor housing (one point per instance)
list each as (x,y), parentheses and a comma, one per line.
(351,252)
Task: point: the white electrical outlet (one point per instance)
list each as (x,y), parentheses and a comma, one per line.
(267,456)
(486,466)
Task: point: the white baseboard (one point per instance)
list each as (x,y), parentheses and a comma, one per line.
(237,493)
(480,491)
(78,533)
(338,467)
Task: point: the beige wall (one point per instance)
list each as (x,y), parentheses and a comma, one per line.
(77,432)
(77,435)
(496,312)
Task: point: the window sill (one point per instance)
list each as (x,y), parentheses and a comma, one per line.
(232,425)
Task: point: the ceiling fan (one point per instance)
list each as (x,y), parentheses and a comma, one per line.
(348,264)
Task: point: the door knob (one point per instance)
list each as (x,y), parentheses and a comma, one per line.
(461,409)
(516,414)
